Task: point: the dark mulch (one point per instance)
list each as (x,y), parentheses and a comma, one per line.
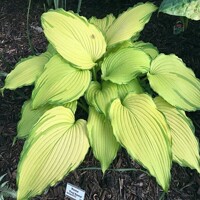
(137,185)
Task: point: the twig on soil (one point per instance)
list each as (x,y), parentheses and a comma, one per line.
(27,28)
(117,170)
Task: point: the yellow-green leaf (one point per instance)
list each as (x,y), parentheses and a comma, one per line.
(100,96)
(143,131)
(129,23)
(71,105)
(148,48)
(56,146)
(103,142)
(26,71)
(60,83)
(29,118)
(125,65)
(133,86)
(90,93)
(51,49)
(121,45)
(185,147)
(103,24)
(174,82)
(74,38)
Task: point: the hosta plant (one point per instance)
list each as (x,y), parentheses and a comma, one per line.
(184,8)
(135,98)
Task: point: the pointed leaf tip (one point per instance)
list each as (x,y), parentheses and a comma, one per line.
(174,82)
(103,24)
(129,23)
(63,82)
(103,142)
(55,147)
(185,146)
(143,131)
(26,71)
(74,38)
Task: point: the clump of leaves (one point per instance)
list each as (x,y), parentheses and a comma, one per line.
(135,97)
(5,190)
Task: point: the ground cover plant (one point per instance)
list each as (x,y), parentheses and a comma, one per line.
(123,109)
(5,190)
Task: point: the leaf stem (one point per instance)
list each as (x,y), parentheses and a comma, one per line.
(94,74)
(162,196)
(79,6)
(117,170)
(185,21)
(27,28)
(83,106)
(65,4)
(144,79)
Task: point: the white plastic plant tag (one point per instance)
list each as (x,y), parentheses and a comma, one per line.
(74,192)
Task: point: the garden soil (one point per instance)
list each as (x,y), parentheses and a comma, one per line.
(132,184)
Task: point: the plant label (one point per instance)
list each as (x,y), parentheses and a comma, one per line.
(178,28)
(74,192)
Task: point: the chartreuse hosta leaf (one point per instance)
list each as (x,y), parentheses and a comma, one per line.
(60,83)
(74,38)
(100,96)
(103,24)
(30,116)
(133,86)
(56,145)
(90,93)
(51,49)
(185,147)
(71,105)
(26,71)
(125,65)
(177,84)
(148,48)
(103,142)
(143,131)
(129,23)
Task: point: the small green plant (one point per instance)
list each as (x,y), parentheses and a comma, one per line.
(5,191)
(183,8)
(134,96)
(186,9)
